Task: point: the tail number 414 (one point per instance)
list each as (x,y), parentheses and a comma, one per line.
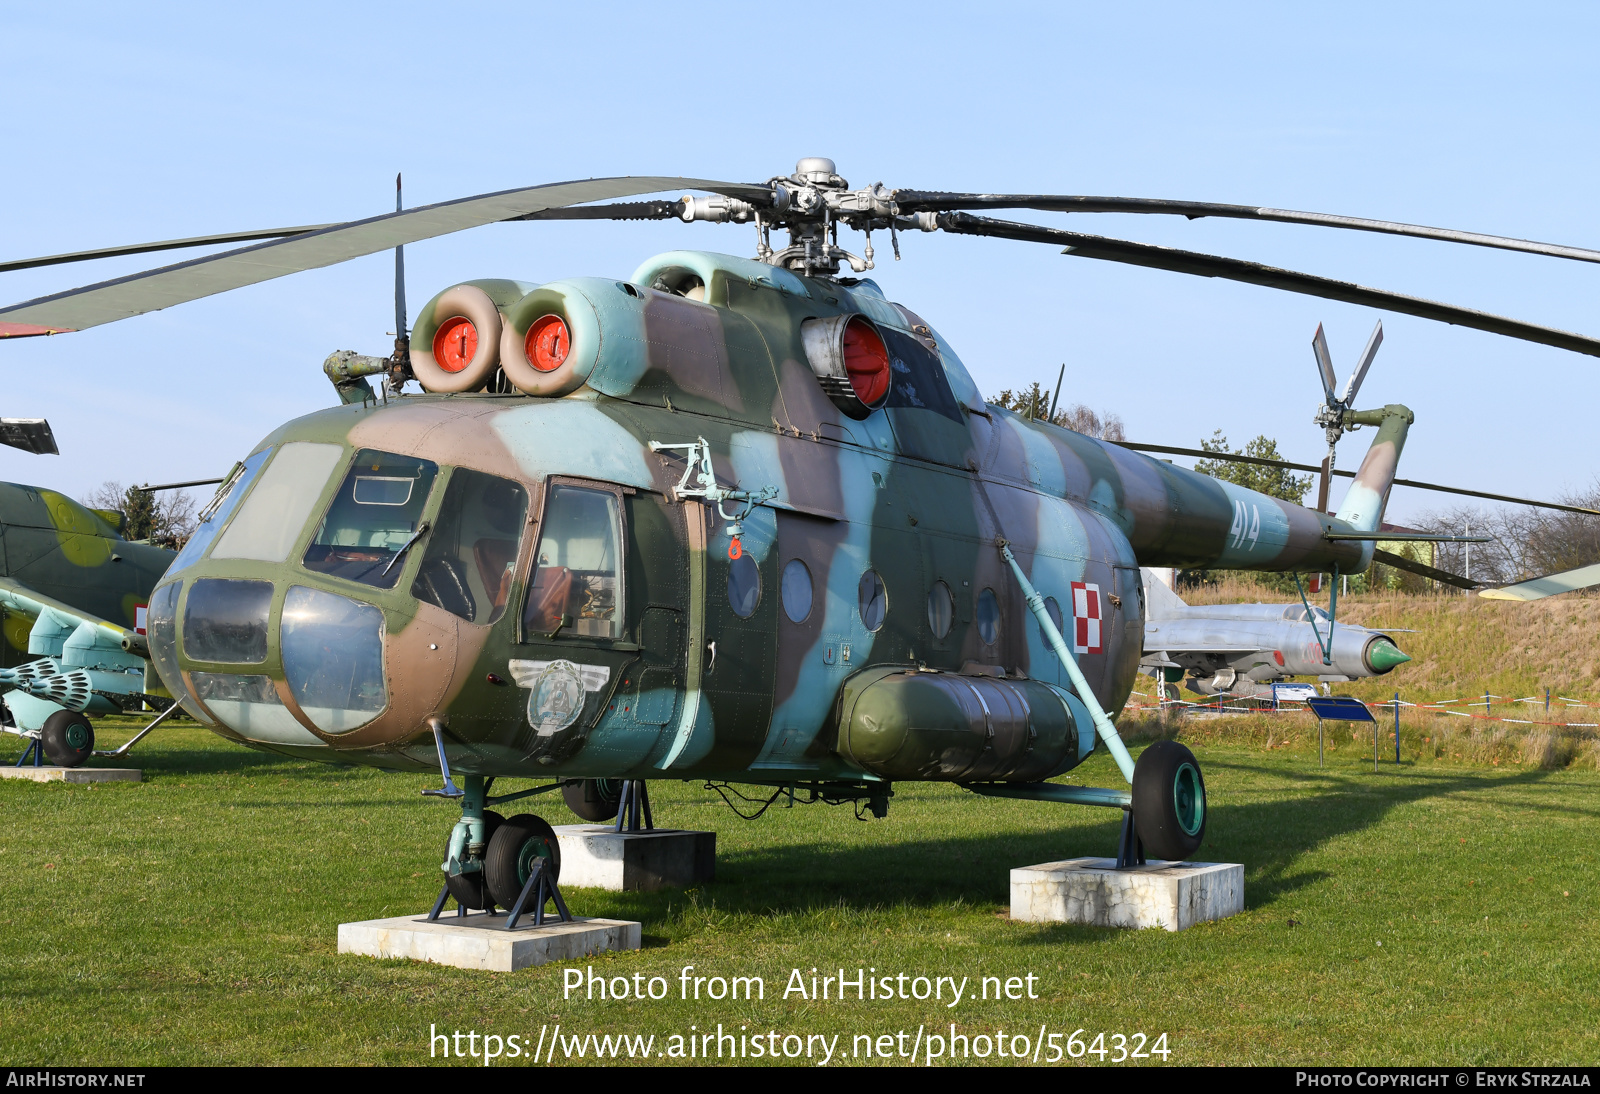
(1246,527)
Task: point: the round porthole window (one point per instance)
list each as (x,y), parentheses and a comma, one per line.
(1053,610)
(796,590)
(744,586)
(988,617)
(872,596)
(941,609)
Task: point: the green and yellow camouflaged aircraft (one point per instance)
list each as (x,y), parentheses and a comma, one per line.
(73,593)
(739,520)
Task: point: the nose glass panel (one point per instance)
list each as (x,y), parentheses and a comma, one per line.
(162,625)
(333,658)
(373,518)
(250,706)
(227,621)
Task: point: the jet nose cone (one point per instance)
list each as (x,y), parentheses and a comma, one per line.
(1384,655)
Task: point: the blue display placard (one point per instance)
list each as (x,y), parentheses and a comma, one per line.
(1339,708)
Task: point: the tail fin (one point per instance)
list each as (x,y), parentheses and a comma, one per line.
(1369,493)
(1159,599)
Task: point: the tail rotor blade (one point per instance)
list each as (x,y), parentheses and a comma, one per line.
(1319,345)
(1360,373)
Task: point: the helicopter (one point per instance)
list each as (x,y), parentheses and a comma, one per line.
(73,593)
(736,519)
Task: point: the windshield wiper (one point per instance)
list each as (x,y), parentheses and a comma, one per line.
(422,529)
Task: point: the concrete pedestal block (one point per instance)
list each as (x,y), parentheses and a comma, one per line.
(597,856)
(481,941)
(74,774)
(1173,895)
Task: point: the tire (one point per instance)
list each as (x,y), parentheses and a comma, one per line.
(470,890)
(509,861)
(593,800)
(68,738)
(1169,801)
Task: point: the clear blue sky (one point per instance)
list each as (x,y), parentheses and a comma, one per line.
(127,125)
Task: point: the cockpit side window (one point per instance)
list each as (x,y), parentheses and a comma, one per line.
(472,549)
(374,517)
(577,576)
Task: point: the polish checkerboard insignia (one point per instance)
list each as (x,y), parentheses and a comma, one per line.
(1086,618)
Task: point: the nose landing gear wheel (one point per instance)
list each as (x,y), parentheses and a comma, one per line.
(67,737)
(469,890)
(512,852)
(1169,801)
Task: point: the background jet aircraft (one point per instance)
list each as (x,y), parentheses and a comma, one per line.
(1240,649)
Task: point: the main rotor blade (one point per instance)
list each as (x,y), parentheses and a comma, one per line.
(164,245)
(1549,585)
(1360,374)
(1231,458)
(152,290)
(1254,273)
(622,210)
(1401,562)
(911,201)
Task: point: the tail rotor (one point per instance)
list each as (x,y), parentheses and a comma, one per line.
(1332,415)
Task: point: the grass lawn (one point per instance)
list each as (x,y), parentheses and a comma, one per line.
(1433,913)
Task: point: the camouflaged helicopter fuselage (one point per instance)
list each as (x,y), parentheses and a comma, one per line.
(919,492)
(51,545)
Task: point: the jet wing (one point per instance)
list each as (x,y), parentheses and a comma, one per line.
(30,604)
(1540,587)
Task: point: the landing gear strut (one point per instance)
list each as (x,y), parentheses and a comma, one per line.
(492,862)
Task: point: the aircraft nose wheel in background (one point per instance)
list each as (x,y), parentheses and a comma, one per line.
(1169,801)
(67,737)
(593,800)
(513,850)
(470,890)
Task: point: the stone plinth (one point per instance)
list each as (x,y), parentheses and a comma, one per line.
(1172,895)
(481,941)
(50,774)
(596,856)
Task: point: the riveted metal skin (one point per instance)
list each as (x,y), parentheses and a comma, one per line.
(651,671)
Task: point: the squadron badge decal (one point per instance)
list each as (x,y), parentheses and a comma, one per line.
(556,690)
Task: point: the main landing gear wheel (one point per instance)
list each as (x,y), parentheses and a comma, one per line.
(470,890)
(1169,801)
(68,738)
(593,800)
(511,855)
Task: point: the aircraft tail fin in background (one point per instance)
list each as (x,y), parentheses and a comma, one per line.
(1369,493)
(1160,601)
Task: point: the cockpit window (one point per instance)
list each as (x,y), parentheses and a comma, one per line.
(269,523)
(472,550)
(218,510)
(375,515)
(576,580)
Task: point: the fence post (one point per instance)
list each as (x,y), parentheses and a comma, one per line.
(1487,709)
(1397,727)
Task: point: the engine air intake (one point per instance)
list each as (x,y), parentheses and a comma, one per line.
(850,360)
